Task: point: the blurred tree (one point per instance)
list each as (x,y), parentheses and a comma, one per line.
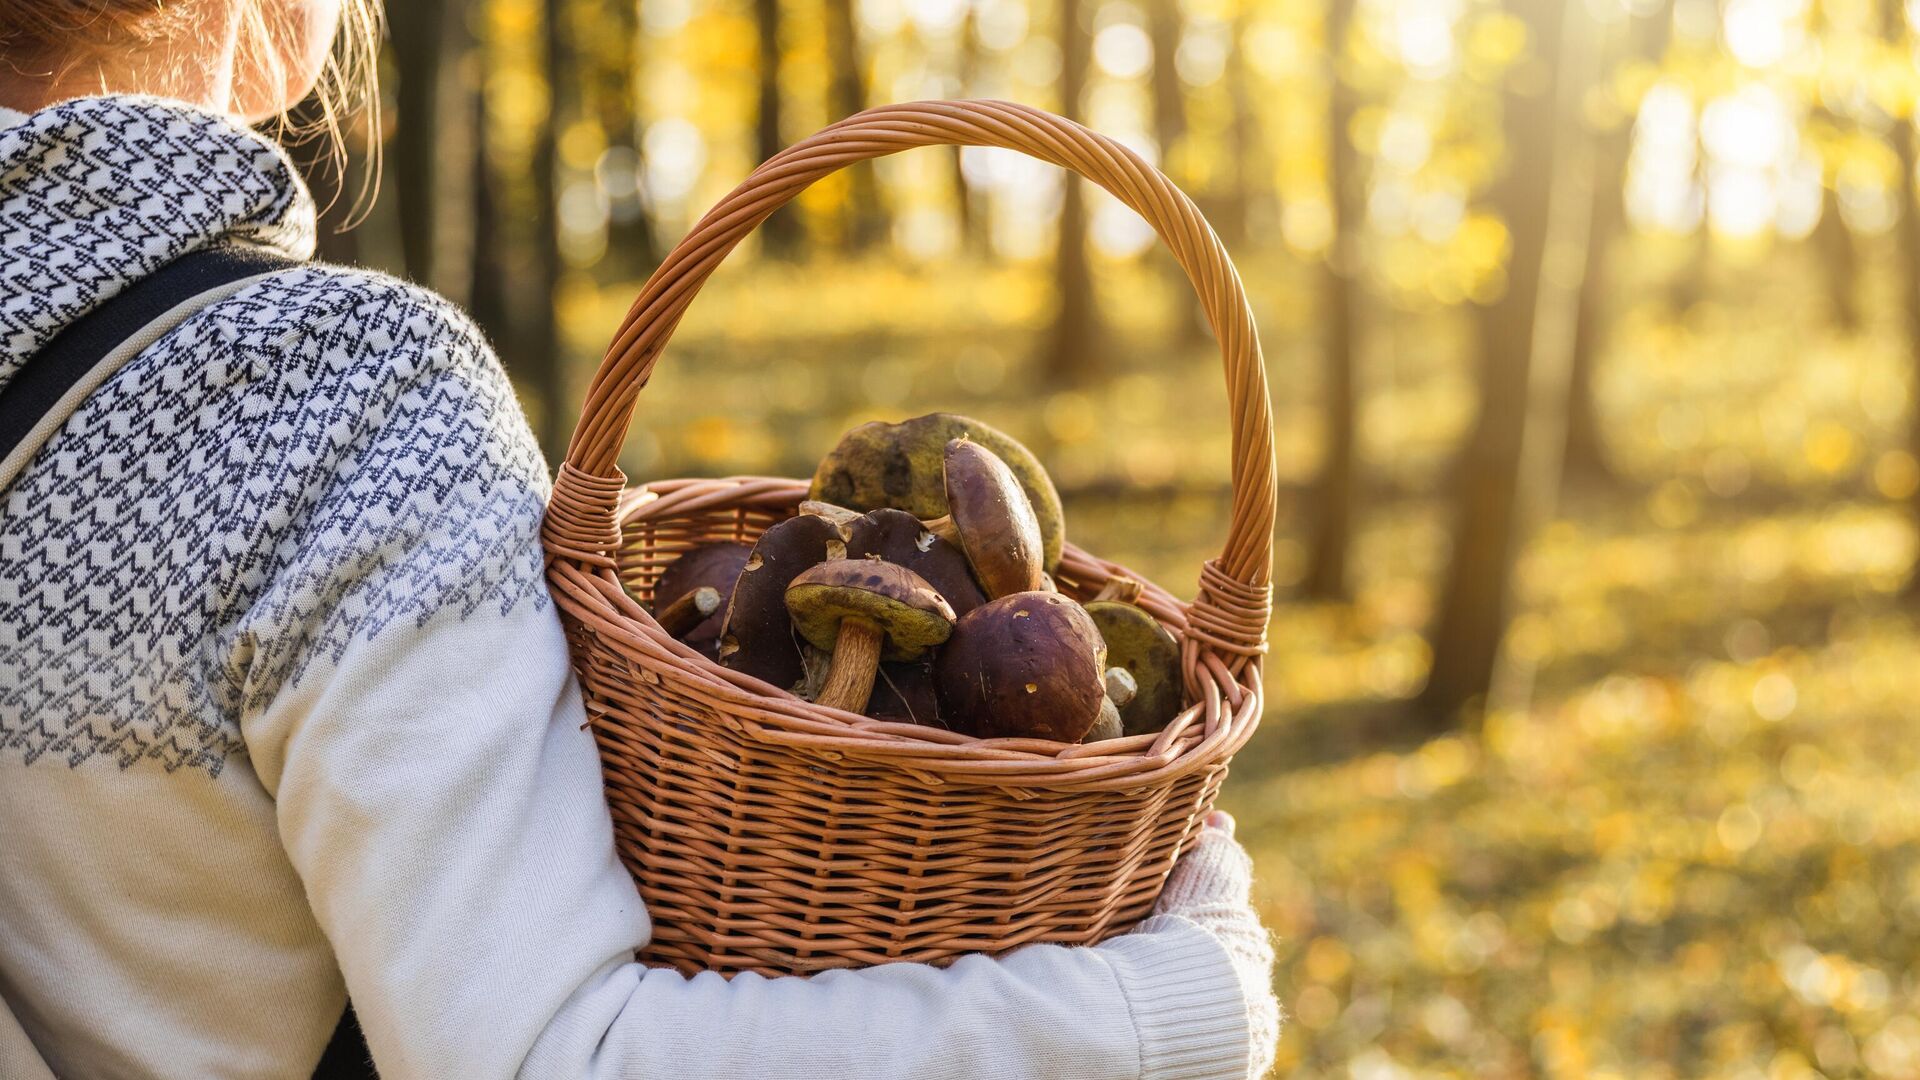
(434,91)
(614,68)
(1169,99)
(1334,493)
(973,224)
(327,167)
(864,220)
(1689,285)
(489,305)
(1831,237)
(1242,137)
(540,356)
(1489,500)
(1585,457)
(1074,345)
(1893,24)
(781,235)
(1164,28)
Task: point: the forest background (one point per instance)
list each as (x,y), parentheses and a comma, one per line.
(1593,330)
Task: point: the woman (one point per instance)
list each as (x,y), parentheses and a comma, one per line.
(285,709)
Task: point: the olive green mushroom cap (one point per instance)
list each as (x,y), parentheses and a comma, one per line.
(911,616)
(901,465)
(1138,645)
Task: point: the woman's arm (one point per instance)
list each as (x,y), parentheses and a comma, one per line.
(419,729)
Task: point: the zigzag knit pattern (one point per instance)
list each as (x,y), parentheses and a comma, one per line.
(324,456)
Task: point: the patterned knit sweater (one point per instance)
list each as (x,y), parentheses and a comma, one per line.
(285,710)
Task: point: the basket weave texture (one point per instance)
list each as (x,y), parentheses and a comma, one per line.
(772,835)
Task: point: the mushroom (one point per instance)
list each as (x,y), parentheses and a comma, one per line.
(902,465)
(865,610)
(992,520)
(757,636)
(839,515)
(689,611)
(1027,665)
(710,566)
(904,692)
(1120,690)
(1107,726)
(900,538)
(1140,646)
(1119,587)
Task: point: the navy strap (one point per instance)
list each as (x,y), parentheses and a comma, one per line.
(49,374)
(346,1056)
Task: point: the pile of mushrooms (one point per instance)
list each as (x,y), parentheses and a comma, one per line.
(915,585)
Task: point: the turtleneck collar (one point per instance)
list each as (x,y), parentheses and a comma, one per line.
(96,193)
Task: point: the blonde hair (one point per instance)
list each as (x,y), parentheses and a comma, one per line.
(68,31)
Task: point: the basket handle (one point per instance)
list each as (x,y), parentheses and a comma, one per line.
(1235,589)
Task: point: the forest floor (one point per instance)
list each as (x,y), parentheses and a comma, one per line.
(1695,851)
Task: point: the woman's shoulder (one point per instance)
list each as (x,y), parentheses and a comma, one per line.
(340,313)
(391,368)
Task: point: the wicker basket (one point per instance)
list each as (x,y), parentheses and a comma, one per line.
(772,835)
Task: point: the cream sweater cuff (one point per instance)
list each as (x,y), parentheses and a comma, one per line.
(1186,1000)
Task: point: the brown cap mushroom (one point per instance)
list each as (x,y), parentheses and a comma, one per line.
(709,566)
(1140,646)
(992,520)
(1027,665)
(757,637)
(900,538)
(904,692)
(903,465)
(865,610)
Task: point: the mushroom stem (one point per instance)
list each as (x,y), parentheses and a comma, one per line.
(689,611)
(1121,686)
(942,527)
(839,515)
(1121,588)
(856,658)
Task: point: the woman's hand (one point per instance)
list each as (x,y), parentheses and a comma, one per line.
(1210,887)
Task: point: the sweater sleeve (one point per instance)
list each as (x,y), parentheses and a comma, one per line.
(413,713)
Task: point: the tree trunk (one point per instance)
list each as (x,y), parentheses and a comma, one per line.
(631,244)
(864,223)
(1241,139)
(326,168)
(1169,99)
(1839,262)
(1500,484)
(542,361)
(974,238)
(1334,493)
(1074,348)
(1585,458)
(1907,240)
(1689,286)
(417,29)
(780,235)
(489,305)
